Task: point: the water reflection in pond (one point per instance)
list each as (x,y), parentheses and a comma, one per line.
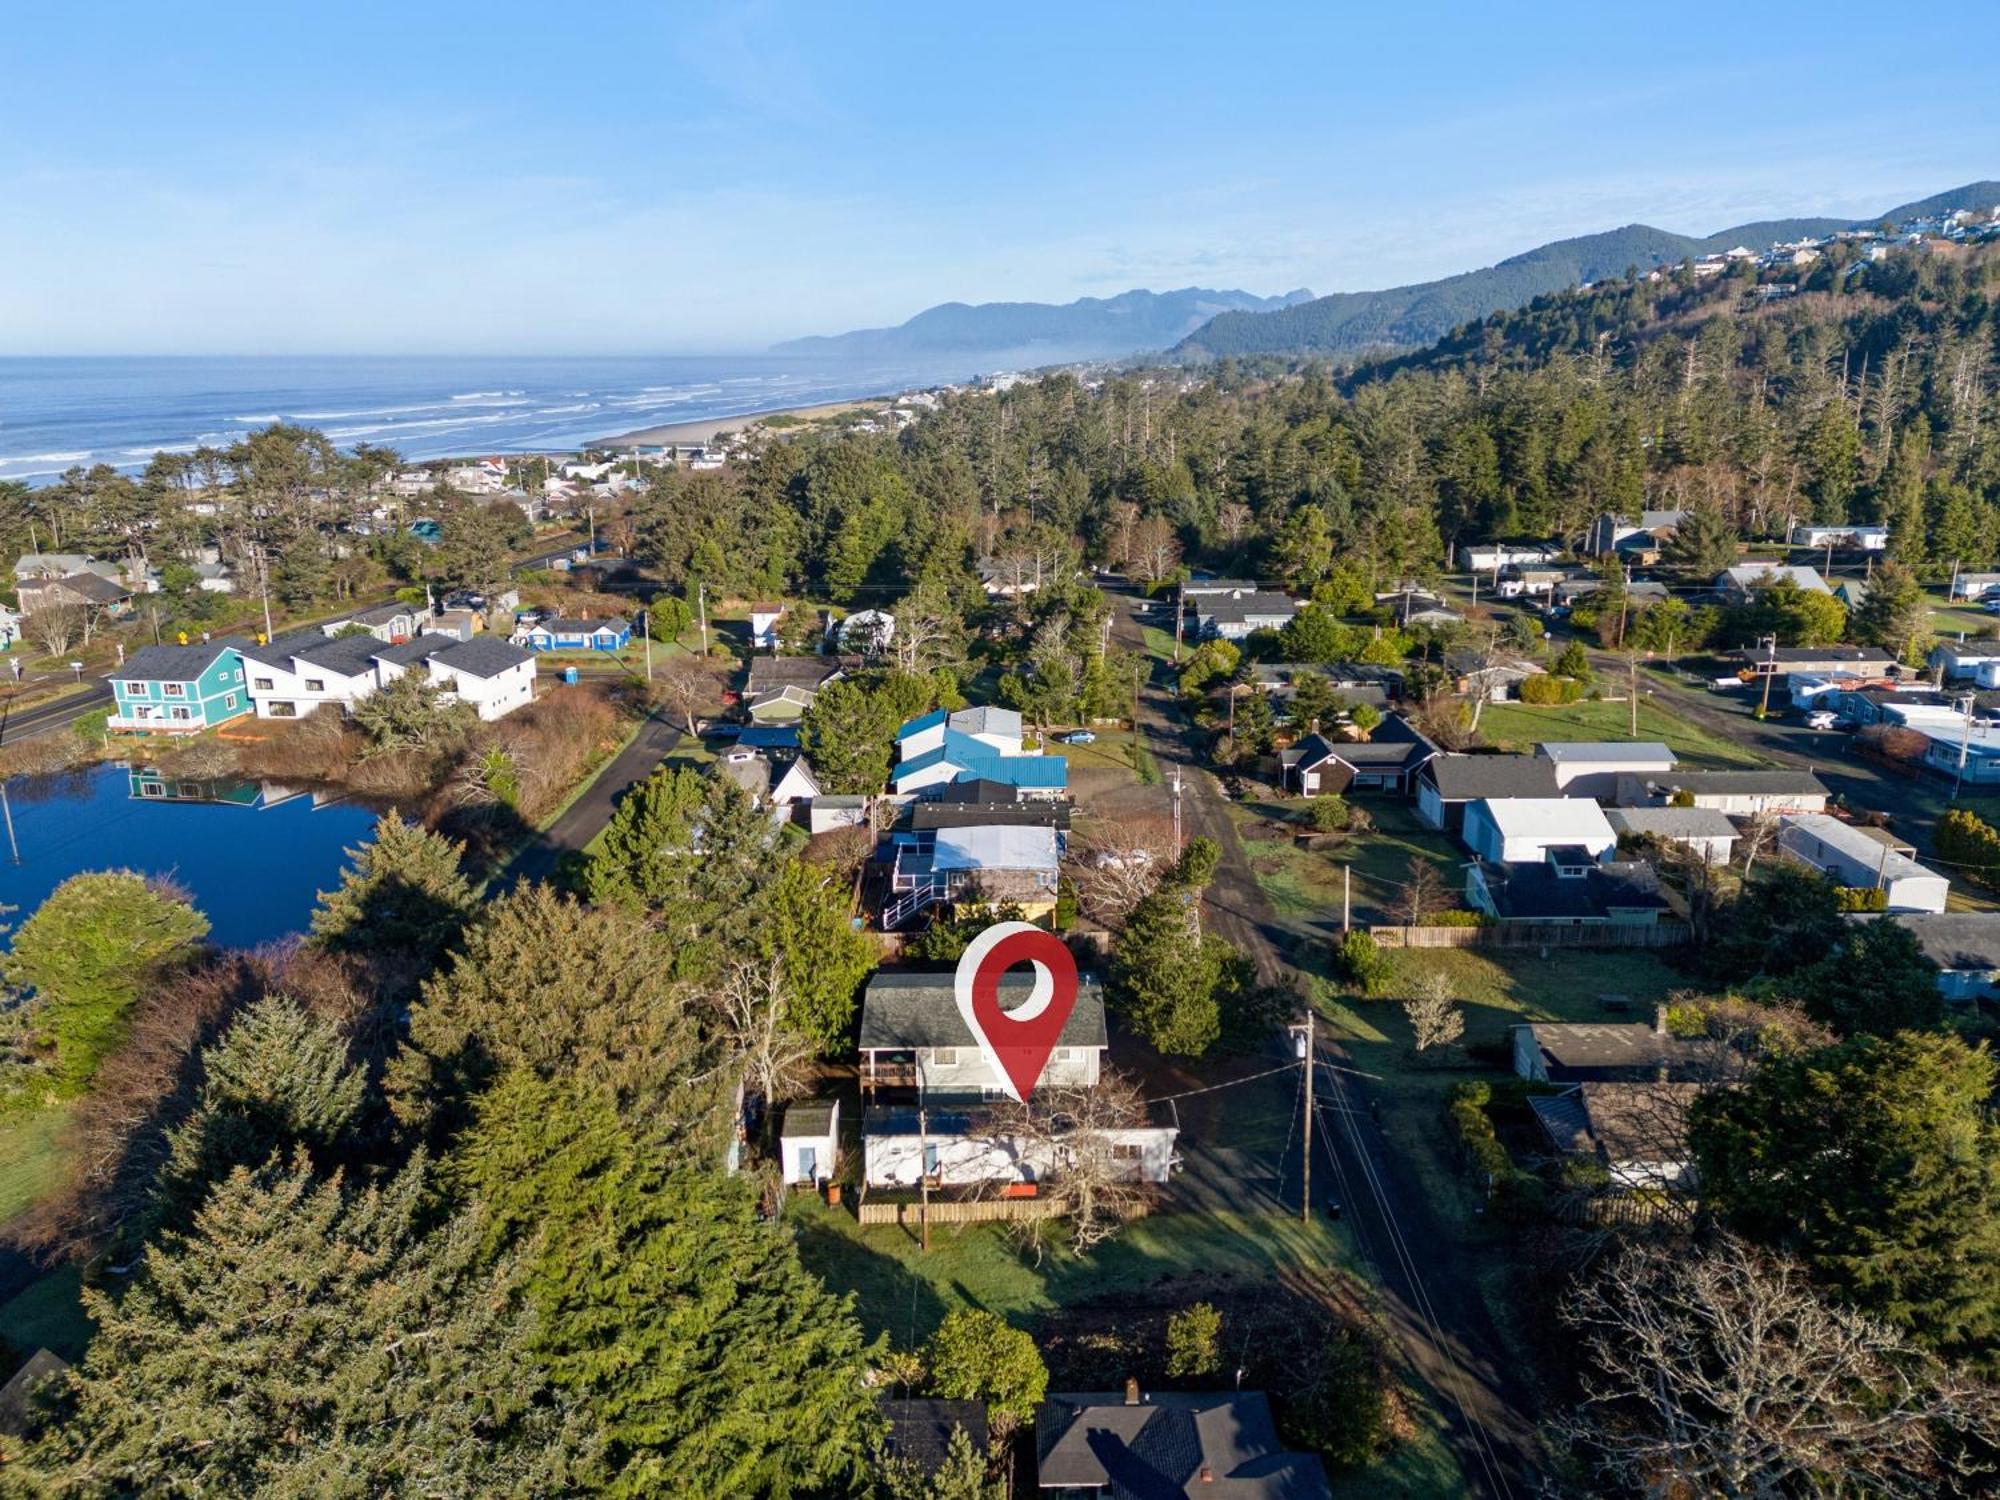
(253,855)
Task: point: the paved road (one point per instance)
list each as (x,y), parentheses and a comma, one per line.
(1435,1312)
(582,819)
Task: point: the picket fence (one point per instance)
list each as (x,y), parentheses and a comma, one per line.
(1534,935)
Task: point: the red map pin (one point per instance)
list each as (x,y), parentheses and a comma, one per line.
(1017,1043)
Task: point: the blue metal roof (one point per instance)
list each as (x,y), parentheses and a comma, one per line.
(918,725)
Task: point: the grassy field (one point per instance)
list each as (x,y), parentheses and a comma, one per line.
(30,1158)
(1304,884)
(1520,726)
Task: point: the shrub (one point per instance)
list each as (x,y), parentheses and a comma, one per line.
(1862,898)
(1361,959)
(1459,917)
(1970,842)
(1194,1341)
(1545,691)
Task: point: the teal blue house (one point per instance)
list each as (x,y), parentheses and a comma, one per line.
(180,689)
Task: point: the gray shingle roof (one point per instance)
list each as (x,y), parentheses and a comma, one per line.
(417,648)
(901,1009)
(483,656)
(1671,822)
(1157,1449)
(1965,941)
(1467,778)
(920,1431)
(1739,783)
(174,663)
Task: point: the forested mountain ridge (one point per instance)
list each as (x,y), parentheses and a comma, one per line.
(1411,316)
(1089,328)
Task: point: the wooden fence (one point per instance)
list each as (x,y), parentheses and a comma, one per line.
(1534,935)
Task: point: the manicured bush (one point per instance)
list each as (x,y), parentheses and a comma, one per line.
(1545,691)
(1361,960)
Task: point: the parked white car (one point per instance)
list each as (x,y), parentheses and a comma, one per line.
(1822,718)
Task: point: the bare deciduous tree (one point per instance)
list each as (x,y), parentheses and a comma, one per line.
(1115,864)
(1422,895)
(1156,552)
(55,626)
(1435,1017)
(687,688)
(752,1004)
(1092,1177)
(1724,1373)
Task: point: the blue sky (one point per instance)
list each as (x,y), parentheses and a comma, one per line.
(510,178)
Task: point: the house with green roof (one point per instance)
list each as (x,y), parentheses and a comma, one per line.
(179,689)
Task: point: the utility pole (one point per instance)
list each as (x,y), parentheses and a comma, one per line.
(1770,671)
(1632,689)
(1306,1161)
(701,600)
(1180,614)
(1177,812)
(1346,898)
(646,629)
(1964,749)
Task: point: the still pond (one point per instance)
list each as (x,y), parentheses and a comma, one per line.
(253,856)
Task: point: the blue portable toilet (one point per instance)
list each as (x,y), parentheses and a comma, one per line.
(569,676)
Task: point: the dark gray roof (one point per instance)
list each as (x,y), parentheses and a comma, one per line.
(962,814)
(808,1117)
(381,614)
(900,1009)
(1796,656)
(22,1389)
(770,672)
(1524,892)
(1239,608)
(1157,1449)
(174,663)
(920,1431)
(1578,1050)
(1467,778)
(1960,941)
(350,656)
(91,586)
(1395,743)
(483,656)
(417,648)
(1671,822)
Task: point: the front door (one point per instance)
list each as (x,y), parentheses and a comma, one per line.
(808,1164)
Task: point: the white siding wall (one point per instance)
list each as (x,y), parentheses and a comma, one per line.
(290,687)
(966,1070)
(493,697)
(962,1160)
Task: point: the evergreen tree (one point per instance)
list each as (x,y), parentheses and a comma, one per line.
(849,736)
(279,1079)
(975,1356)
(560,990)
(709,1361)
(1167,978)
(82,960)
(402,896)
(1877,1162)
(1703,544)
(304,1338)
(1877,983)
(1895,615)
(802,921)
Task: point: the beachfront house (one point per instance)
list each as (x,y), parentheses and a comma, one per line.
(575,635)
(492,675)
(179,689)
(294,674)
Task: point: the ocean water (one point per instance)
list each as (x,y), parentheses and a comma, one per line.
(57,412)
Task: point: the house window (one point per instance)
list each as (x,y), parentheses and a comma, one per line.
(135,689)
(930,1160)
(262,684)
(284,711)
(151,789)
(315,684)
(944,1057)
(173,690)
(1125,1151)
(229,701)
(1063,1054)
(180,713)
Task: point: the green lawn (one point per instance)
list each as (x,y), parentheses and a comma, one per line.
(1304,885)
(1111,751)
(904,1292)
(1159,643)
(1521,726)
(30,1157)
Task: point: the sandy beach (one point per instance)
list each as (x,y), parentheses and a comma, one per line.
(701,431)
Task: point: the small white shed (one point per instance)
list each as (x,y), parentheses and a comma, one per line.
(809,1141)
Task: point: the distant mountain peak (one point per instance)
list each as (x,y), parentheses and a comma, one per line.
(1113,327)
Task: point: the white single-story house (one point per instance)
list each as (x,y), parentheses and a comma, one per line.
(964,1146)
(1485,557)
(1448,784)
(809,1141)
(1701,830)
(1741,794)
(1235,616)
(1973,585)
(796,783)
(867,632)
(1586,769)
(1858,860)
(1737,585)
(1845,538)
(1525,829)
(825,814)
